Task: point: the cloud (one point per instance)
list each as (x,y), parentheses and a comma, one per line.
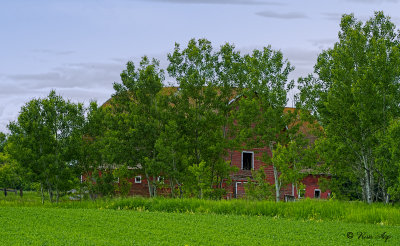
(232,2)
(300,56)
(373,1)
(82,75)
(290,15)
(338,16)
(79,82)
(54,52)
(8,89)
(38,77)
(332,16)
(302,59)
(323,43)
(9,108)
(11,104)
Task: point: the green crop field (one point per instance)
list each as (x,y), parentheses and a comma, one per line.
(61,226)
(307,209)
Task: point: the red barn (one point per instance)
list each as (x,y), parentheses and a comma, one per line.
(246,160)
(249,159)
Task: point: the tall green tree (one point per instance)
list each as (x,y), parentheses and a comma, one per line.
(388,162)
(294,161)
(260,116)
(135,123)
(10,173)
(62,118)
(40,141)
(172,151)
(355,94)
(91,149)
(206,82)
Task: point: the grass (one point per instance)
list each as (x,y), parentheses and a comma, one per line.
(61,226)
(353,212)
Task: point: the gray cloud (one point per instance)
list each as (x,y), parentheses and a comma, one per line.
(301,57)
(332,16)
(80,82)
(10,106)
(11,89)
(36,77)
(54,52)
(82,75)
(373,1)
(338,16)
(323,43)
(233,2)
(290,15)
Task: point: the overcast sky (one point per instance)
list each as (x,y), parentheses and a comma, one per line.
(80,47)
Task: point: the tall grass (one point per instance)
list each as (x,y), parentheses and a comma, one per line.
(307,209)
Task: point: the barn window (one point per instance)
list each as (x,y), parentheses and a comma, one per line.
(302,193)
(138,179)
(317,193)
(247,160)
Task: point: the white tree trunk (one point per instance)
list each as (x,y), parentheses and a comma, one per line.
(276,176)
(149,185)
(367,180)
(277,185)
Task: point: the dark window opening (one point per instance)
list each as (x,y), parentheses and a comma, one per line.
(317,193)
(302,193)
(247,161)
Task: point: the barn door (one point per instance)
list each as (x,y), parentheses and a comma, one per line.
(239,189)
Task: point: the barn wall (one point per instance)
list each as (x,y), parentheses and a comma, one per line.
(240,178)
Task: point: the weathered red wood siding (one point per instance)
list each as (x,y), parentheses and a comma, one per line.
(311,183)
(237,188)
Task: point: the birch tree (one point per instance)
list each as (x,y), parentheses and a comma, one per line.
(355,93)
(206,80)
(135,119)
(40,141)
(261,115)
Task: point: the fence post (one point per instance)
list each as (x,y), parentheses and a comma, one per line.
(5,191)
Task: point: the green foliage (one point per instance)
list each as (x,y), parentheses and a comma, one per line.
(172,151)
(42,141)
(260,118)
(389,159)
(294,161)
(207,82)
(354,97)
(201,173)
(90,148)
(134,119)
(10,173)
(258,188)
(3,140)
(102,182)
(123,174)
